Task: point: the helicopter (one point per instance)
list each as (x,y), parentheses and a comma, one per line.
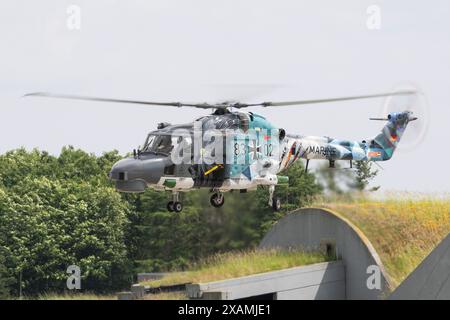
(234,150)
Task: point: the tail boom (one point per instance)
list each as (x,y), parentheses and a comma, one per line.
(380,148)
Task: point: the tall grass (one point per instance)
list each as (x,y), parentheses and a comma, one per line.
(238,264)
(72,296)
(403,230)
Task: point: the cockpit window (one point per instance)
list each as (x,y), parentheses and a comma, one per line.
(162,143)
(148,142)
(158,144)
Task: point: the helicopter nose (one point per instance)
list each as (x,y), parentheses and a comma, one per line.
(133,174)
(125,169)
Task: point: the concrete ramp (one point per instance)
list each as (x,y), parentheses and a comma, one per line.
(431,279)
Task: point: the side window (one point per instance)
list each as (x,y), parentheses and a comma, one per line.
(164,144)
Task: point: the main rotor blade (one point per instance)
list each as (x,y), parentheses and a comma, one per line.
(85,98)
(236,105)
(300,102)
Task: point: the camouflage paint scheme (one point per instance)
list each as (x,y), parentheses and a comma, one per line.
(380,148)
(294,147)
(256,152)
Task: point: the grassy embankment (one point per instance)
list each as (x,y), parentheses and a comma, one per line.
(72,296)
(238,264)
(403,231)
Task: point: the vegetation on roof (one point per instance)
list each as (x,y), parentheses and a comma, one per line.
(402,230)
(71,296)
(237,264)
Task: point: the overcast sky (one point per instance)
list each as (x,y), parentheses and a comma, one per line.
(224,50)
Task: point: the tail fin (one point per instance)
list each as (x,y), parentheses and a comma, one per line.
(382,147)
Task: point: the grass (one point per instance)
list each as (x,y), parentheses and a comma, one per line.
(73,296)
(403,231)
(93,296)
(238,264)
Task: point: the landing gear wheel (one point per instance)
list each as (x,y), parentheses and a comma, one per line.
(217,200)
(170,206)
(276,203)
(177,206)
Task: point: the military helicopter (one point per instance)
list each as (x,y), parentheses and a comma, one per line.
(233,150)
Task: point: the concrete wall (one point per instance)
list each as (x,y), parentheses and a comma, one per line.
(431,279)
(325,291)
(317,229)
(317,281)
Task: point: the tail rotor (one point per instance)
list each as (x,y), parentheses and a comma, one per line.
(419,116)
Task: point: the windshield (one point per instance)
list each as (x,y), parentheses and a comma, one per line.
(158,144)
(148,142)
(164,143)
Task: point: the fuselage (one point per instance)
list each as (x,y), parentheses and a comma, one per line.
(237,150)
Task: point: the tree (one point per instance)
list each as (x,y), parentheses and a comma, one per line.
(49,225)
(6,281)
(335,180)
(364,174)
(59,211)
(339,181)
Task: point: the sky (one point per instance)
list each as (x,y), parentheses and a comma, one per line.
(210,51)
